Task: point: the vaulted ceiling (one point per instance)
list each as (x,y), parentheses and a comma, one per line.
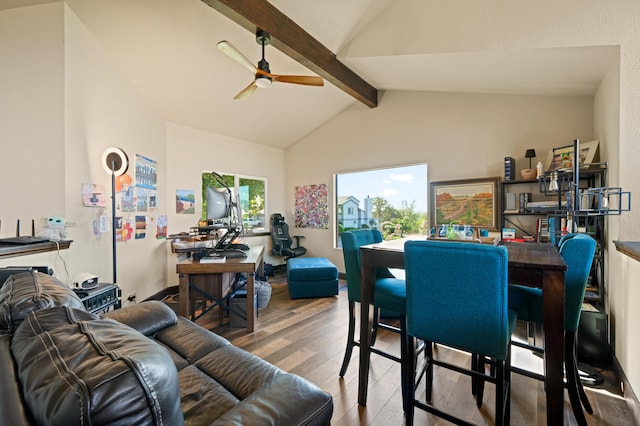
(167,48)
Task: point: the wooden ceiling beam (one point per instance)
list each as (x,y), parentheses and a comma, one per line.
(291,39)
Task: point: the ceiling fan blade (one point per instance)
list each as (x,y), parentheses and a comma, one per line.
(306,80)
(235,54)
(247,91)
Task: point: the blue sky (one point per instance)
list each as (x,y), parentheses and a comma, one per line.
(406,183)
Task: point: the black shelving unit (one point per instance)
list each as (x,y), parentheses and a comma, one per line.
(578,200)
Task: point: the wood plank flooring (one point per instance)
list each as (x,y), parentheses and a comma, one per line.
(308,337)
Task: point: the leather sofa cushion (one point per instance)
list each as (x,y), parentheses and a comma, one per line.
(77,368)
(26,292)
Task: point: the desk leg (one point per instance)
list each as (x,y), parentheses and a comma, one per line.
(553,301)
(366,320)
(183,295)
(250,301)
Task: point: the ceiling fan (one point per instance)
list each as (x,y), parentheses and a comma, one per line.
(263,77)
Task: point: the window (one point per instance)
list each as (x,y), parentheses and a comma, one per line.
(251,193)
(391,200)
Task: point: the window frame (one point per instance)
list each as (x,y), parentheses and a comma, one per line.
(235,192)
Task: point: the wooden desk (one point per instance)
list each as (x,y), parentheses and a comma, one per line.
(249,265)
(532,264)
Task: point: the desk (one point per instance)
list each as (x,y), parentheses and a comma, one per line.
(532,264)
(249,265)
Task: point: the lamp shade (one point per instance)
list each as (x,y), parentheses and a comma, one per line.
(530,153)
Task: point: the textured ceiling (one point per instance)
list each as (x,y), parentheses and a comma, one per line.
(167,48)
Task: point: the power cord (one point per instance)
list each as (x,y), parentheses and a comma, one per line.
(59,256)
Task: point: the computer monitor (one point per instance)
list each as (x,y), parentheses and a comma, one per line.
(218,204)
(222,212)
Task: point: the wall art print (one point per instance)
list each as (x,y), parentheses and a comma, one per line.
(146,172)
(312,206)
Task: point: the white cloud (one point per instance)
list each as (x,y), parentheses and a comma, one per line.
(406,177)
(388,193)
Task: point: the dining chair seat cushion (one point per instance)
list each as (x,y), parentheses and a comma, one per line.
(391,294)
(526,302)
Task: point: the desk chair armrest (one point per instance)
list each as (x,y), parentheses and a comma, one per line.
(298,238)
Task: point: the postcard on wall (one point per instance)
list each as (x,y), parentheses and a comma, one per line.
(185,201)
(141,227)
(146,172)
(153,200)
(161,227)
(141,200)
(127,199)
(93,195)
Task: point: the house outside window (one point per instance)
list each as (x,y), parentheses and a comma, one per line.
(391,200)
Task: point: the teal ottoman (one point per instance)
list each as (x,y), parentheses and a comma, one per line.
(311,277)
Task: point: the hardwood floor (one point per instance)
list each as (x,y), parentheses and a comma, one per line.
(308,337)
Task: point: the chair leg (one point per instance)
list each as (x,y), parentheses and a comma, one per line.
(407,368)
(474,379)
(374,329)
(480,381)
(507,381)
(407,362)
(350,339)
(428,356)
(500,392)
(572,378)
(583,396)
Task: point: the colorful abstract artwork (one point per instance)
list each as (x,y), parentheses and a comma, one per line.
(312,206)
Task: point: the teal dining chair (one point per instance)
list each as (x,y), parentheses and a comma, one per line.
(578,251)
(389,292)
(465,285)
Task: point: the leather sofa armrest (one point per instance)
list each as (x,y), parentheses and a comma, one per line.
(147,317)
(12,406)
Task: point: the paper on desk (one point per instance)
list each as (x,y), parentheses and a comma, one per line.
(213,259)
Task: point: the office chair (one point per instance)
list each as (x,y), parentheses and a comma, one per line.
(457,297)
(578,251)
(282,241)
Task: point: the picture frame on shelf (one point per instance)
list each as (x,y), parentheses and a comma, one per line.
(562,158)
(468,201)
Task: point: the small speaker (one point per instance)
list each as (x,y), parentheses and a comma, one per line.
(510,201)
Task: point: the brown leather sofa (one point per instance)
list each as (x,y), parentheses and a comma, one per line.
(60,364)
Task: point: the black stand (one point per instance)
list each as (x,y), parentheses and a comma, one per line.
(113,217)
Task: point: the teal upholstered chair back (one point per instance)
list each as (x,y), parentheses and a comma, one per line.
(457,295)
(577,250)
(351,242)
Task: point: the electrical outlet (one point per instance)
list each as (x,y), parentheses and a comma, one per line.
(132,297)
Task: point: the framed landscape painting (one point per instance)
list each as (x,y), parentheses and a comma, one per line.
(467,202)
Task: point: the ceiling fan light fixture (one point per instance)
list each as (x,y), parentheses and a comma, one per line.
(262,81)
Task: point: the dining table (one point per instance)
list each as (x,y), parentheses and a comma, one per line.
(533,264)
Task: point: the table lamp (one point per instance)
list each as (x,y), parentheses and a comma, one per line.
(528,174)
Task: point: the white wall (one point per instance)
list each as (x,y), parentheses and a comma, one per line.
(104,109)
(191,151)
(33,162)
(460,136)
